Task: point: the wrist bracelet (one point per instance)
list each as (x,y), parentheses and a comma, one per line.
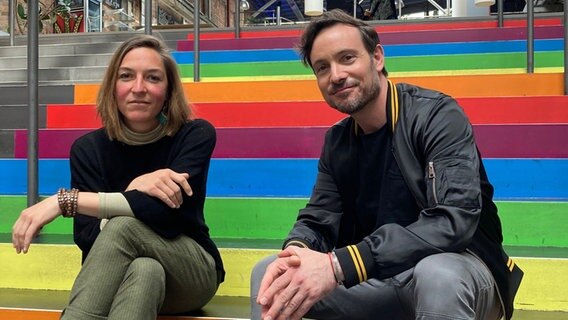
(67,200)
(338,271)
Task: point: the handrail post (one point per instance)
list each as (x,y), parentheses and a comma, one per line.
(33,74)
(148,19)
(237,19)
(530,37)
(12,21)
(196,18)
(500,13)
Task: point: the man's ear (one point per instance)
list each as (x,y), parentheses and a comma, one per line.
(379,57)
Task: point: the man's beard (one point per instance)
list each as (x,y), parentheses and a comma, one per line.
(355,104)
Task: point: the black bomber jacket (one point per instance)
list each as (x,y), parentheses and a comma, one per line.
(434,147)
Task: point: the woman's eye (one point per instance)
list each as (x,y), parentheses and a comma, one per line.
(154,78)
(124,75)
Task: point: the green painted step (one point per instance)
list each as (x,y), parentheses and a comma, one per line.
(394,64)
(538,224)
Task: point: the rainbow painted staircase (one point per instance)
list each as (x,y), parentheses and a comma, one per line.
(271,119)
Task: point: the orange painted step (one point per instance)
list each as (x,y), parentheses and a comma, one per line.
(500,85)
(35,314)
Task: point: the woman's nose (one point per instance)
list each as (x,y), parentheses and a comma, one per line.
(138,85)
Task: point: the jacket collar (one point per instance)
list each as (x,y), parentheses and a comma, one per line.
(392,108)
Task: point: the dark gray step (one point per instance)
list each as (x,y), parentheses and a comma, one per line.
(17,117)
(13,95)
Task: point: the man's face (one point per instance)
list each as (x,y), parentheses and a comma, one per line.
(348,77)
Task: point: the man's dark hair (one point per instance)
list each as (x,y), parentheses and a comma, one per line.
(328,19)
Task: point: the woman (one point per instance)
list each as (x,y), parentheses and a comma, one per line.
(138,190)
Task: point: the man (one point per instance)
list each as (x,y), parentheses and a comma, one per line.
(401,222)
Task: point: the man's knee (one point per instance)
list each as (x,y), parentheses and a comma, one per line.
(444,272)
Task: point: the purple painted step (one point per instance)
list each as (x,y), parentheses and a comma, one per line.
(495,141)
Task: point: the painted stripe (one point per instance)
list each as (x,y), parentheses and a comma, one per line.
(395,64)
(514,179)
(355,262)
(435,24)
(55,267)
(494,141)
(298,142)
(480,110)
(522,141)
(266,55)
(525,224)
(35,314)
(536,84)
(387,38)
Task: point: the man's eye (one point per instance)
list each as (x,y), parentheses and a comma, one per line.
(321,68)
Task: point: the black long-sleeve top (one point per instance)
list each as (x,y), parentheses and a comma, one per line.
(99,164)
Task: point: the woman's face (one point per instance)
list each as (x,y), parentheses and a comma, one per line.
(141,89)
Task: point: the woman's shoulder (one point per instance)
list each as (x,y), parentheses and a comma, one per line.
(91,139)
(198,126)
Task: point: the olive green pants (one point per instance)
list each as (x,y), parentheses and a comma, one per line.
(133,273)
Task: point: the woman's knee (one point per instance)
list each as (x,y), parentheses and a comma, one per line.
(148,270)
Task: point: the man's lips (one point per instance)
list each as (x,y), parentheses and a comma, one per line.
(340,90)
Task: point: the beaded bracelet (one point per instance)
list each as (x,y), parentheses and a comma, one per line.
(67,200)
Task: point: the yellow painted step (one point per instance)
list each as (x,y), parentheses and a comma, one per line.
(54,267)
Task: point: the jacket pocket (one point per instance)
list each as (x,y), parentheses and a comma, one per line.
(453,182)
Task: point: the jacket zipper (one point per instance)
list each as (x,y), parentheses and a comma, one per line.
(432,175)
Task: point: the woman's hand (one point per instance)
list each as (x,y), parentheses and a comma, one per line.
(164,184)
(31,220)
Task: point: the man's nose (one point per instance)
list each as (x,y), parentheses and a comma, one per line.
(337,73)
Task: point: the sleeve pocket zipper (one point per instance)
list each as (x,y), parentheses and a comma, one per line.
(432,176)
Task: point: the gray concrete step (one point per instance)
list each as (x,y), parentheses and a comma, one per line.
(57,61)
(46,75)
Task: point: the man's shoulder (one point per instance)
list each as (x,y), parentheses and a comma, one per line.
(420,92)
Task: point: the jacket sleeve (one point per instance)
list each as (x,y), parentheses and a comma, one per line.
(317,225)
(193,155)
(443,138)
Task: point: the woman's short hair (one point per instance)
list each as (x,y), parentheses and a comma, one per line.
(328,19)
(176,107)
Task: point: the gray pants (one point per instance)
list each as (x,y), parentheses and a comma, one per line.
(132,273)
(441,286)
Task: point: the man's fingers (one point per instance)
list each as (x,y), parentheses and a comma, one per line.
(281,301)
(302,309)
(273,271)
(293,304)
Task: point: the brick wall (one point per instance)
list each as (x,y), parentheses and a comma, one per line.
(4,15)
